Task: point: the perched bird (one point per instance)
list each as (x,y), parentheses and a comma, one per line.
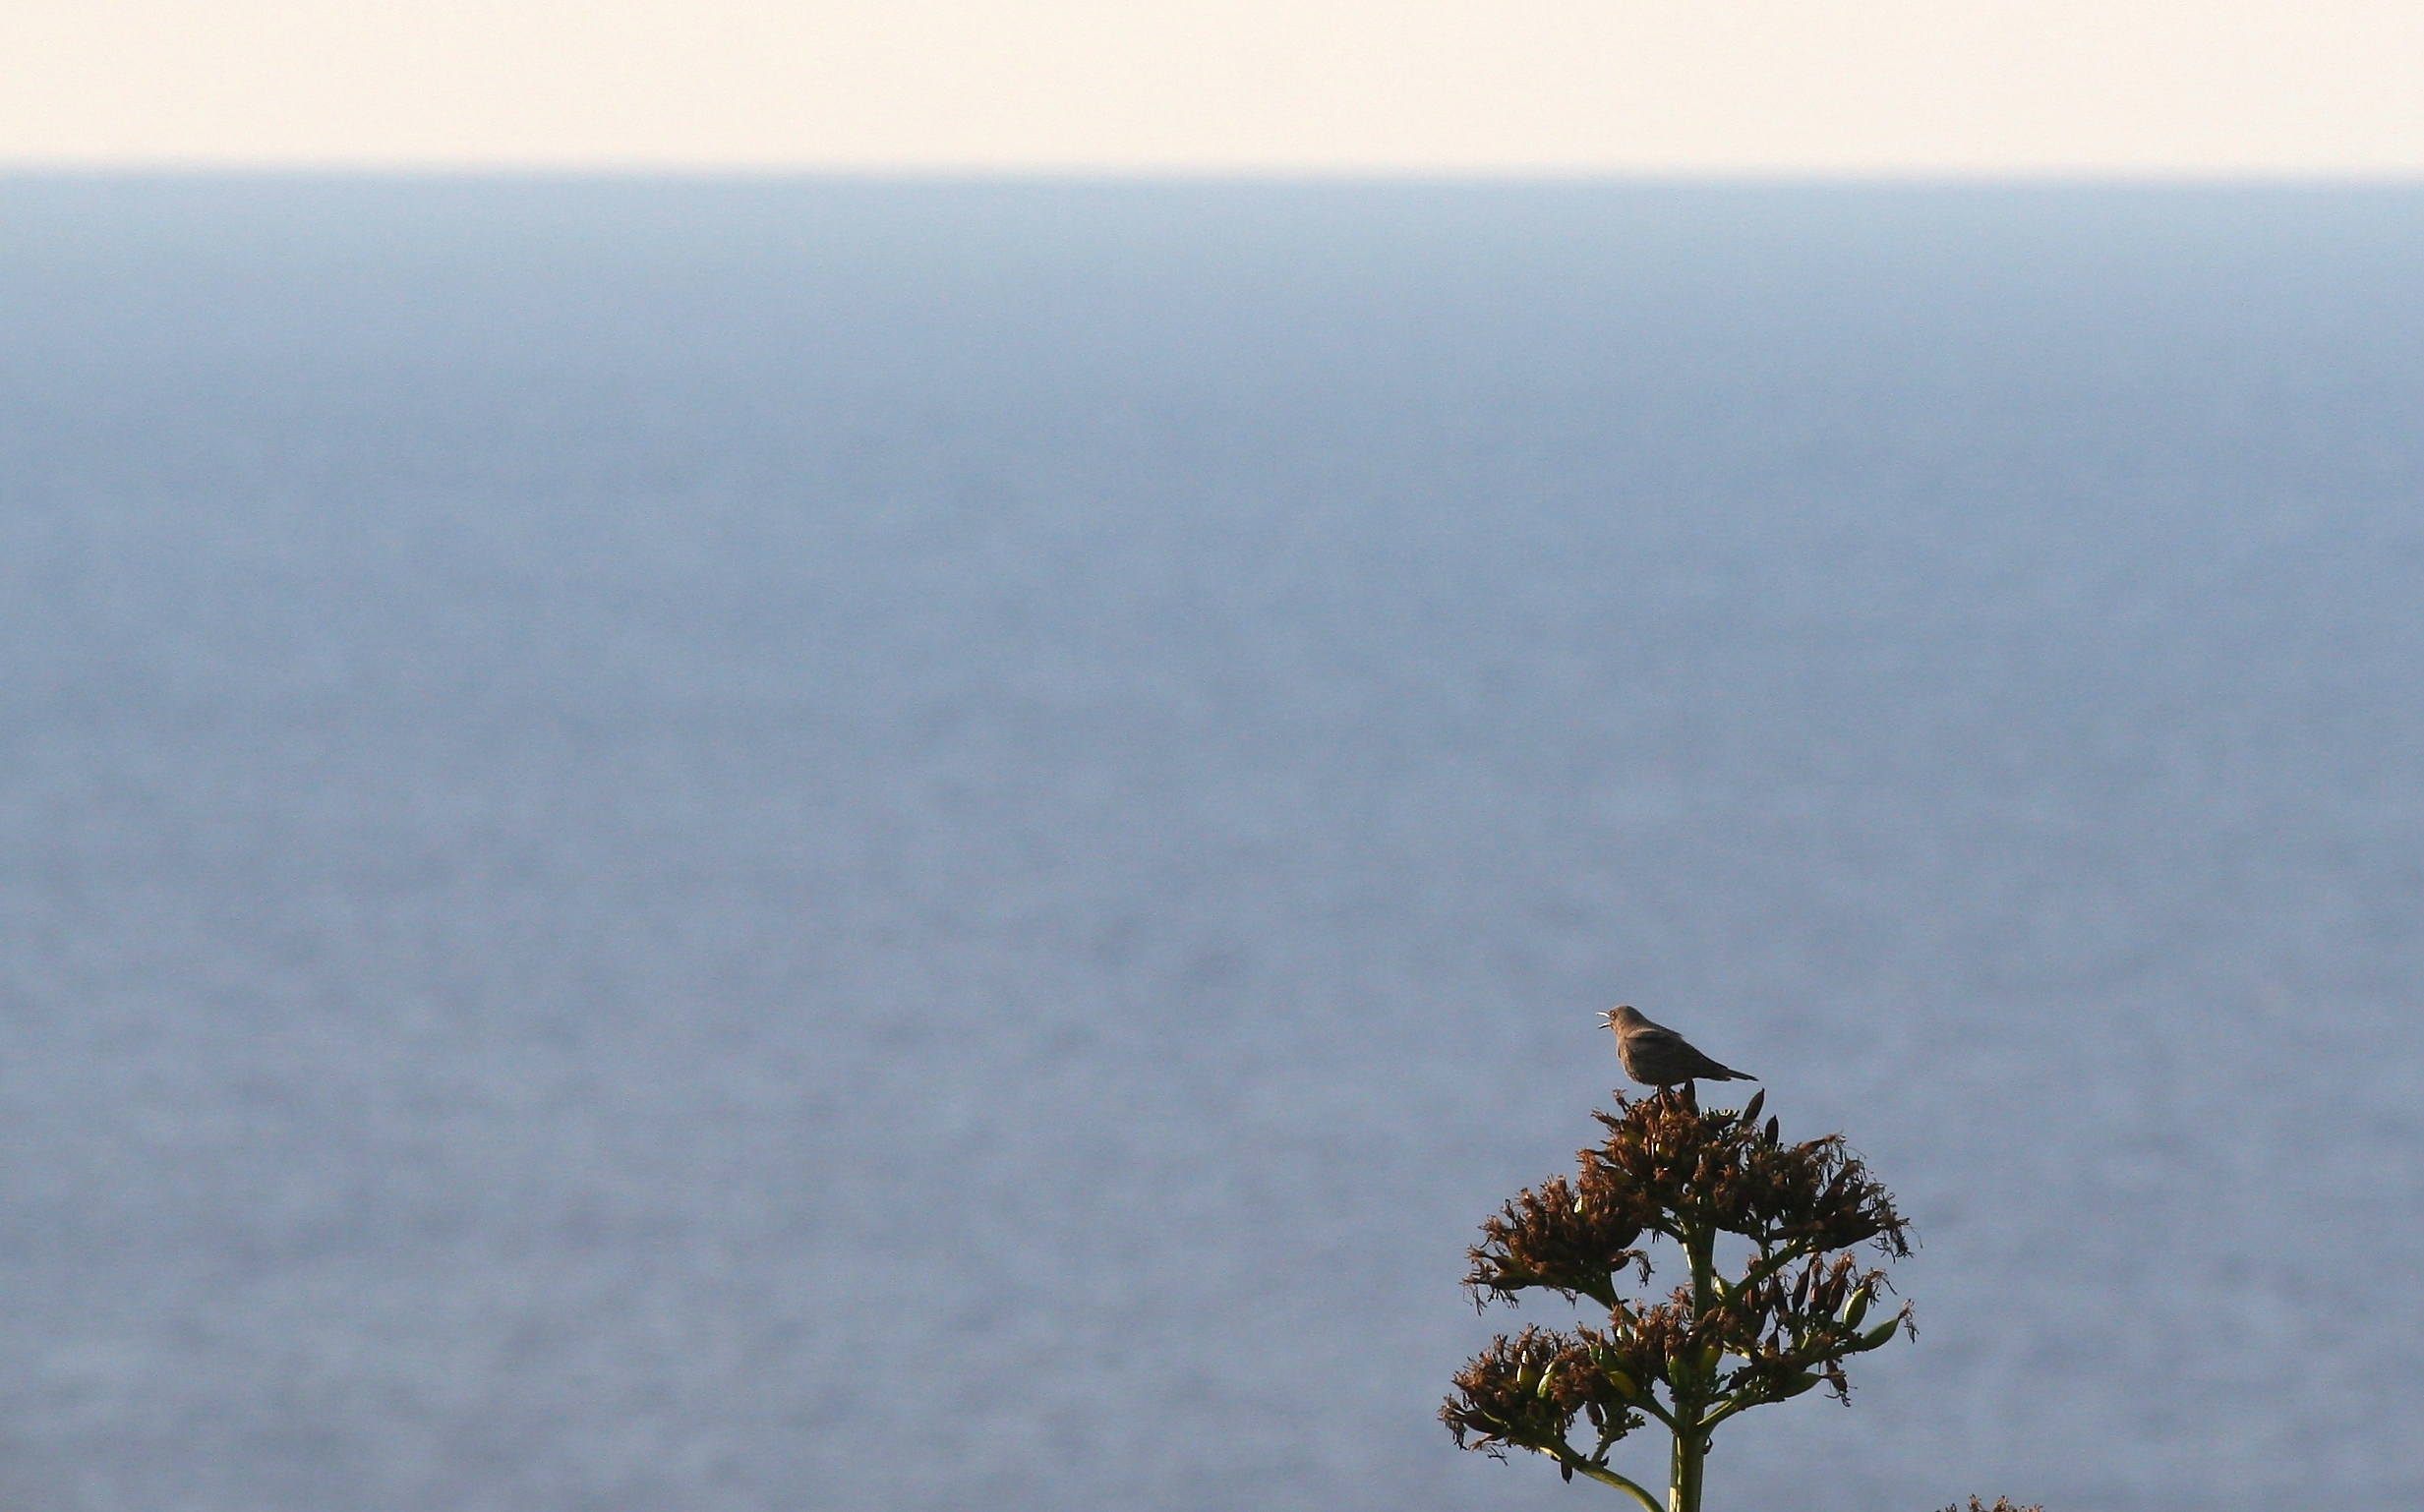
(1656,1056)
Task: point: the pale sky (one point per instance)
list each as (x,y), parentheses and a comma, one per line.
(1741,86)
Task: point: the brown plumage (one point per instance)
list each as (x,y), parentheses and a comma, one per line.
(1656,1056)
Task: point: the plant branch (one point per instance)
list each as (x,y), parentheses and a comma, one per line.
(1767,1264)
(1603,1476)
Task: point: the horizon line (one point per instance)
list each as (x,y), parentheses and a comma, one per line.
(1241,174)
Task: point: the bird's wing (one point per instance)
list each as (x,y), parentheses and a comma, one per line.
(1715,1069)
(1659,1039)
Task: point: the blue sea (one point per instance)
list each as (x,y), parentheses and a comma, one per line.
(896,846)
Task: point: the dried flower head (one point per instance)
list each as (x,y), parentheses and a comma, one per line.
(1716,1347)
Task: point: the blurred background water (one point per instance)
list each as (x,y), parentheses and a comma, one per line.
(720,845)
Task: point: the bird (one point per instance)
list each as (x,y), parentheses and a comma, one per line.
(1656,1056)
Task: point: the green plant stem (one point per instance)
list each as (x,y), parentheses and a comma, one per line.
(1702,1247)
(1770,1263)
(1684,1470)
(1606,1476)
(1687,1460)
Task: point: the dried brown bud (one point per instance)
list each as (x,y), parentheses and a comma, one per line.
(1717,1168)
(1557,1237)
(1525,1392)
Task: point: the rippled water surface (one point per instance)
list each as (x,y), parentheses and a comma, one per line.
(733,845)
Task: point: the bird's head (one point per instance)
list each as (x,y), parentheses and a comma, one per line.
(1622,1017)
